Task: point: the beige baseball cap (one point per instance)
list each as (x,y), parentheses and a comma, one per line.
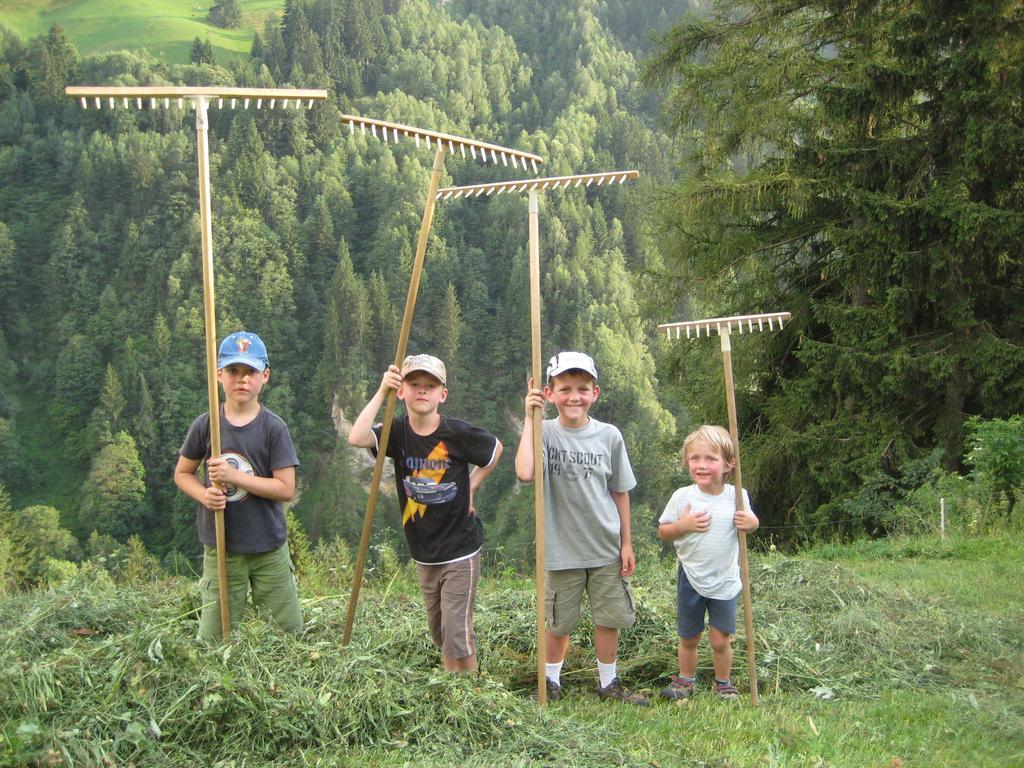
(427,364)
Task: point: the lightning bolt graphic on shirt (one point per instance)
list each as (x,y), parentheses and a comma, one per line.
(415,508)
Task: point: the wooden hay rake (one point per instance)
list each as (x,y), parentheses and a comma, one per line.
(724,326)
(200,99)
(442,144)
(533,187)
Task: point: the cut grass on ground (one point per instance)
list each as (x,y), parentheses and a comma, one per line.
(856,669)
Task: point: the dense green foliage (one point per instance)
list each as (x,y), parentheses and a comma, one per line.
(856,167)
(314,231)
(226,13)
(860,165)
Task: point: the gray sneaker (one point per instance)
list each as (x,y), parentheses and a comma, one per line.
(677,688)
(616,691)
(554,690)
(726,691)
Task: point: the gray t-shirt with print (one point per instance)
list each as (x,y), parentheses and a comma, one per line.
(252,524)
(581,469)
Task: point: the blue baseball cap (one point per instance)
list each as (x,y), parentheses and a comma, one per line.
(243,348)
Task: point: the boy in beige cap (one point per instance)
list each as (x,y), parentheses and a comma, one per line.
(432,455)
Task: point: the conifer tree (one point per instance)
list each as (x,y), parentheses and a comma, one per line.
(114,489)
(202,52)
(7,275)
(112,403)
(857,164)
(59,62)
(226,13)
(342,374)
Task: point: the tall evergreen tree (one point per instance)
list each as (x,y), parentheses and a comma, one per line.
(112,403)
(7,271)
(59,62)
(114,490)
(202,52)
(859,164)
(342,374)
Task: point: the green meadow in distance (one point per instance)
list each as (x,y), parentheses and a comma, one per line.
(165,28)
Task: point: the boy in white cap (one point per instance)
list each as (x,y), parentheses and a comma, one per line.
(251,480)
(432,455)
(587,539)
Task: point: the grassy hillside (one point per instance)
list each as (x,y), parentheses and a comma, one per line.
(165,28)
(869,655)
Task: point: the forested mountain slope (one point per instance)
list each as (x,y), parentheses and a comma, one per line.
(100,292)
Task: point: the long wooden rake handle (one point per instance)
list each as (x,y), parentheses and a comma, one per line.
(210,321)
(199,98)
(725,326)
(389,409)
(748,609)
(538,474)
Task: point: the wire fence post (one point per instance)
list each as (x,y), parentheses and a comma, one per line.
(942,518)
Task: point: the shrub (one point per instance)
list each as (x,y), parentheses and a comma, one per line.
(298,544)
(139,565)
(56,573)
(331,567)
(996,453)
(6,568)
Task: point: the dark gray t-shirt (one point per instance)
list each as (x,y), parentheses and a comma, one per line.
(252,523)
(581,468)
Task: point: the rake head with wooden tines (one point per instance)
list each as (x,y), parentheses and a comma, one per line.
(737,322)
(442,144)
(537,185)
(158,96)
(533,187)
(477,150)
(200,99)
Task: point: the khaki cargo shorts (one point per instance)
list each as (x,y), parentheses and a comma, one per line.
(609,593)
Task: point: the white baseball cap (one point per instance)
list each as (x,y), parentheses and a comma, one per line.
(571,361)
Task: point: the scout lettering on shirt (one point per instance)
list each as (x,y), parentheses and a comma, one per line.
(582,468)
(574,464)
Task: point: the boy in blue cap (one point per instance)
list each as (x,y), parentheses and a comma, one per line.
(251,480)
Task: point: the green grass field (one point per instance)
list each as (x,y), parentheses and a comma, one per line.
(165,28)
(898,653)
(971,714)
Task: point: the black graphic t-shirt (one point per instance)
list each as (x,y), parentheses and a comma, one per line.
(432,479)
(252,524)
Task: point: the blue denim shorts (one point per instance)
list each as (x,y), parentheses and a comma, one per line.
(691,607)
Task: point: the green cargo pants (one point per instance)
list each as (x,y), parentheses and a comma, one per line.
(272,578)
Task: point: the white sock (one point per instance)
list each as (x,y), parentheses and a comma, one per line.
(606,673)
(554,671)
